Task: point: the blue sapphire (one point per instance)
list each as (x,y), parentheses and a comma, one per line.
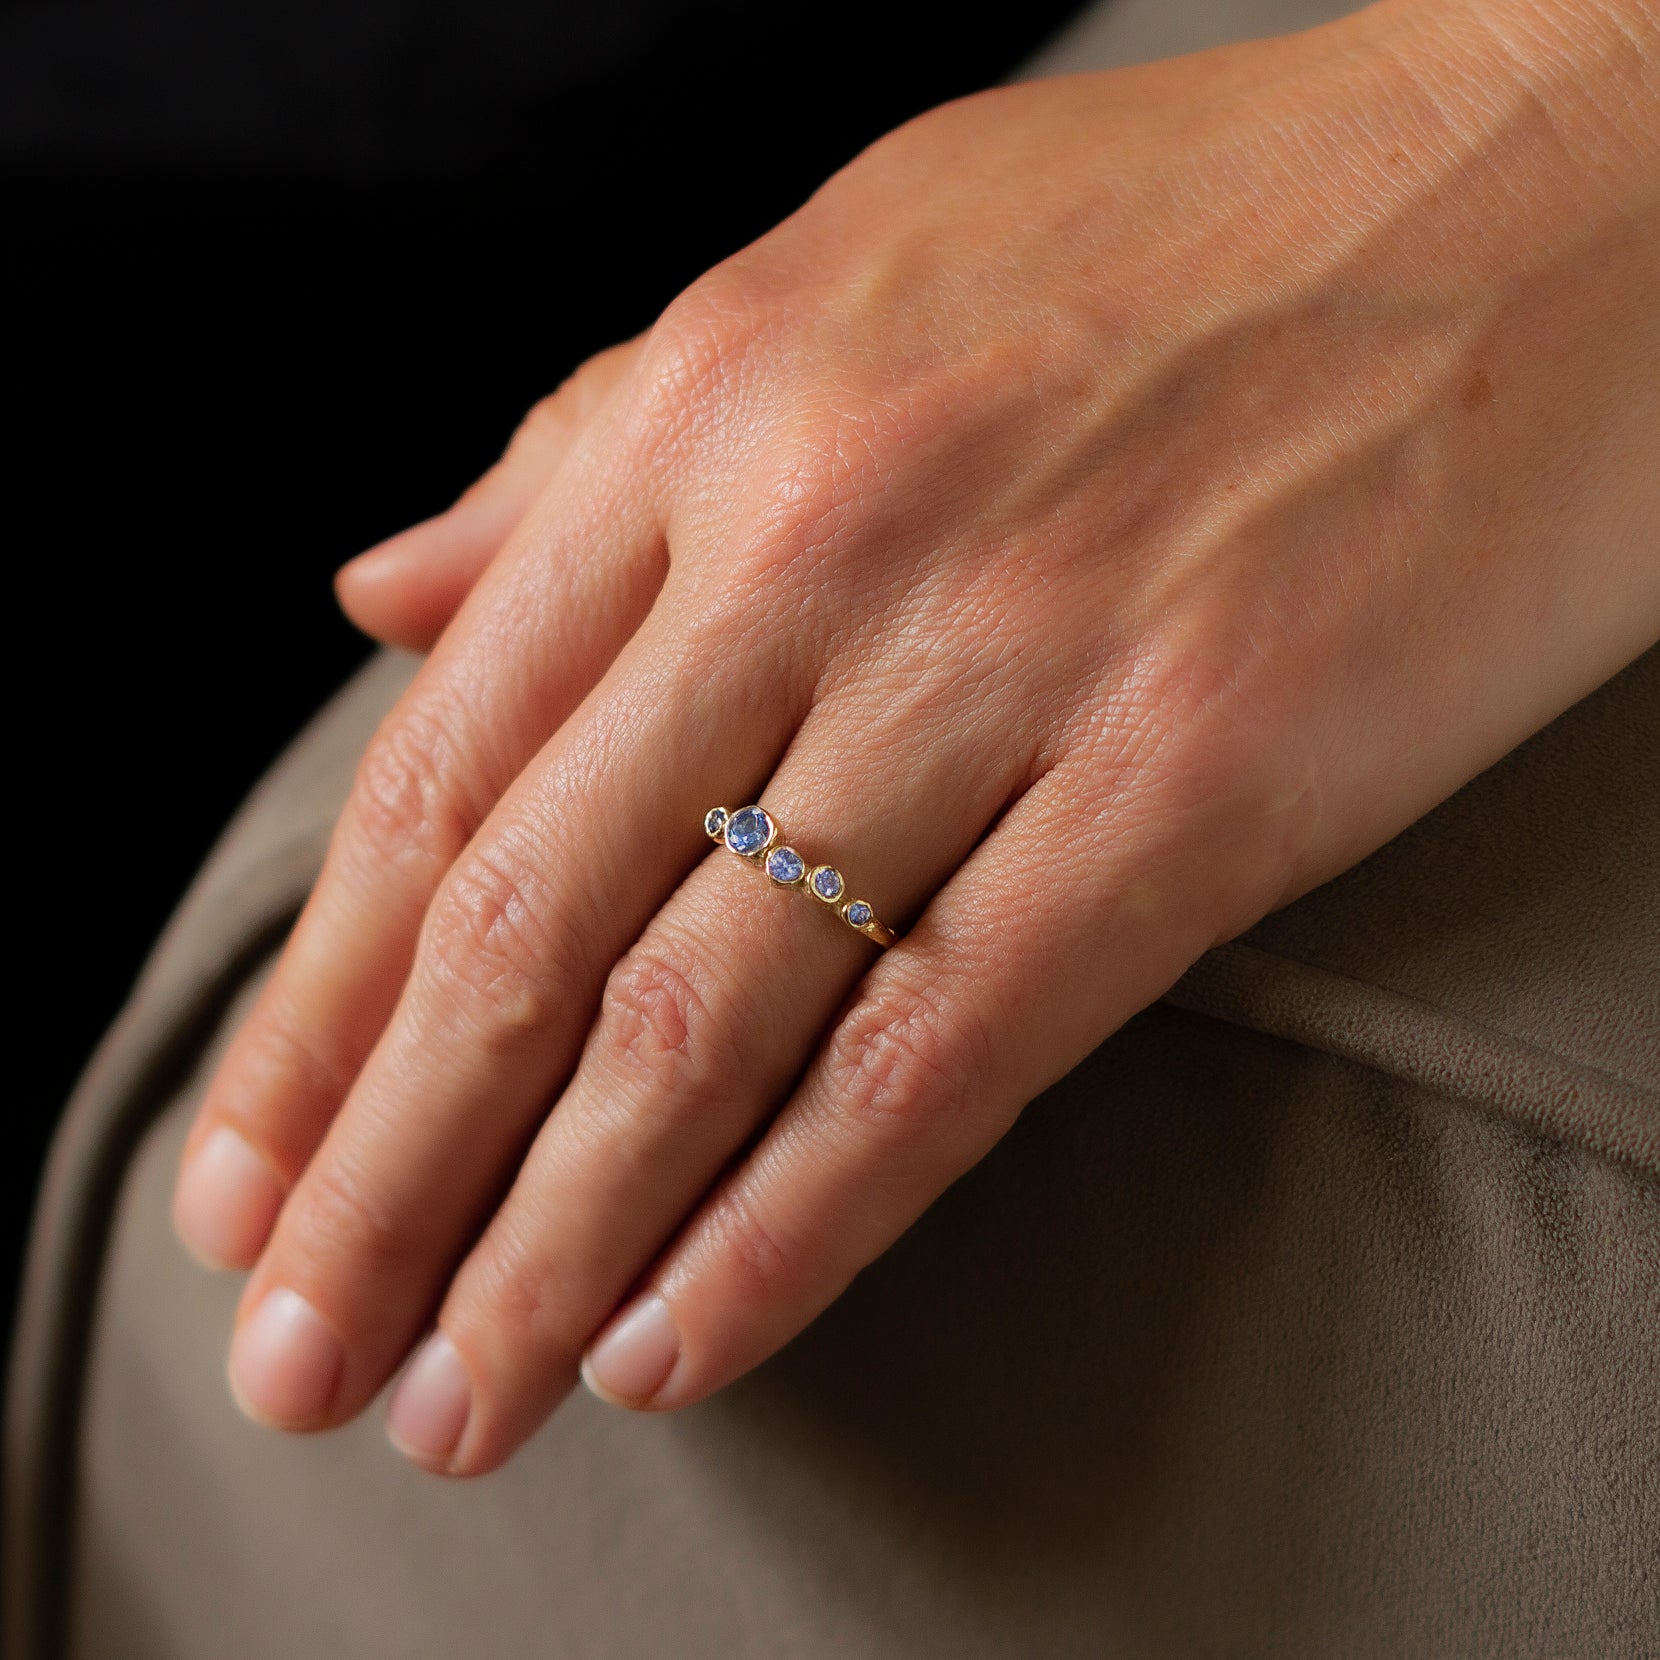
(860,914)
(748,830)
(714,821)
(784,864)
(828,883)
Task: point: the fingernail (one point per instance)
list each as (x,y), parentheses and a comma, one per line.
(286,1362)
(430,1405)
(226,1202)
(633,1358)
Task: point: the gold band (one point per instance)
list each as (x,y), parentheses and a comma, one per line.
(752,833)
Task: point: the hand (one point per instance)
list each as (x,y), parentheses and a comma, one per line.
(1107,509)
(405,591)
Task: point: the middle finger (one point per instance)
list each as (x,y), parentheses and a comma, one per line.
(705,1024)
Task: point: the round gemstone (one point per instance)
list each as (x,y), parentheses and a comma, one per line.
(748,830)
(860,914)
(784,864)
(714,821)
(828,884)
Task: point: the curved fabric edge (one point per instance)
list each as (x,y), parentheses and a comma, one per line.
(1429,1045)
(241,903)
(85,1171)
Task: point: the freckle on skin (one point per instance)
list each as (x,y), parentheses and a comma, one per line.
(1478,390)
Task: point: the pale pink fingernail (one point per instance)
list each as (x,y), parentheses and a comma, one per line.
(431,1403)
(226,1202)
(634,1356)
(286,1362)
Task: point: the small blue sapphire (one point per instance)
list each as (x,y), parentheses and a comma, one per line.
(714,821)
(860,914)
(748,830)
(784,864)
(828,884)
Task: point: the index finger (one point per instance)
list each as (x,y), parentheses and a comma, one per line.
(587,564)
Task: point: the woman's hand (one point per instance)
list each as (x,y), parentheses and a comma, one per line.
(405,591)
(1109,508)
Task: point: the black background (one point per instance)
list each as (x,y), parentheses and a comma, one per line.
(283,277)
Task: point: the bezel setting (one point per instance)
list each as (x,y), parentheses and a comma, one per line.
(742,821)
(753,834)
(786,867)
(833,879)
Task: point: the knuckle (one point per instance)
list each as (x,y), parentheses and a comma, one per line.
(843,449)
(1223,678)
(281,1059)
(404,801)
(553,421)
(348,1220)
(758,1264)
(489,946)
(550,420)
(825,462)
(515,1289)
(657,1026)
(896,1061)
(698,345)
(588,387)
(813,472)
(1225,728)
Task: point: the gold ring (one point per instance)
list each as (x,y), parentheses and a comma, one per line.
(752,833)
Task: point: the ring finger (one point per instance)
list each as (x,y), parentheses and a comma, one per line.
(704,1026)
(484,1032)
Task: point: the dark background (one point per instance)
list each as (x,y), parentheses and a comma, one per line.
(283,276)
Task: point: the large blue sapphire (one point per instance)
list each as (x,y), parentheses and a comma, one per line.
(748,830)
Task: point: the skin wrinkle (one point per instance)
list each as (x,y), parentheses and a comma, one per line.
(289,1143)
(484,943)
(572,620)
(812,463)
(409,798)
(1083,467)
(1429,397)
